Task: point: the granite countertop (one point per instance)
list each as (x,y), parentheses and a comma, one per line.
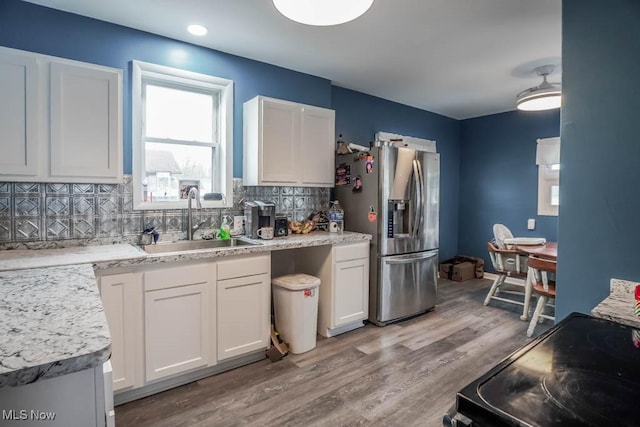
(52,323)
(315,238)
(619,305)
(37,258)
(52,319)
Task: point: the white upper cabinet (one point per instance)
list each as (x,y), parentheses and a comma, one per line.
(318,147)
(85,126)
(61,120)
(19,118)
(286,143)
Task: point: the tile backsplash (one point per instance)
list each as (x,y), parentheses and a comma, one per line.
(34,214)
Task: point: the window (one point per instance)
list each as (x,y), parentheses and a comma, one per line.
(182,137)
(548,161)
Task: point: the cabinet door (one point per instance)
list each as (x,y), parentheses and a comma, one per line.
(118,294)
(318,147)
(243,315)
(19,117)
(86,132)
(351,296)
(177,329)
(279,149)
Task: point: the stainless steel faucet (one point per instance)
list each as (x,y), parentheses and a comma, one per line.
(193,193)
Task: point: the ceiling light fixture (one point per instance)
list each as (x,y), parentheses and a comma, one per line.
(545,96)
(197,30)
(322,12)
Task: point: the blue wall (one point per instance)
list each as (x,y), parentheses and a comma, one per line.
(599,225)
(38,29)
(360,116)
(499,177)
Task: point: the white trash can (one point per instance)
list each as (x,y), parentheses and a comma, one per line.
(295,302)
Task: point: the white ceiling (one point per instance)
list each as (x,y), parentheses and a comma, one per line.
(458,58)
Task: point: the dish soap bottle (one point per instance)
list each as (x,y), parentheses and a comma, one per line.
(336,218)
(225,230)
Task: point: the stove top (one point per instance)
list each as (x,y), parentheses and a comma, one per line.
(582,372)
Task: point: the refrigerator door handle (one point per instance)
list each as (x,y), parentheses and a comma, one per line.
(422,195)
(417,178)
(408,259)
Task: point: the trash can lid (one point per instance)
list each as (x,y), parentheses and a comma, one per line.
(296,282)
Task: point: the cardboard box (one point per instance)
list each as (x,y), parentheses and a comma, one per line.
(479,262)
(457,270)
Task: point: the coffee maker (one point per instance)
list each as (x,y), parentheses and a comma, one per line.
(257,215)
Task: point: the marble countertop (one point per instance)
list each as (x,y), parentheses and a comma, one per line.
(51,317)
(52,323)
(619,305)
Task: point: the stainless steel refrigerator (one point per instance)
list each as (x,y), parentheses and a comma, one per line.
(392,193)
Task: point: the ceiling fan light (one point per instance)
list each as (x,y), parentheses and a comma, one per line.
(545,96)
(322,12)
(541,103)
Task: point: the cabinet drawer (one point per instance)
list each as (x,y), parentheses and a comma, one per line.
(352,251)
(174,277)
(244,266)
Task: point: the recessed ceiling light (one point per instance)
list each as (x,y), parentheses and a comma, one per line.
(197,30)
(322,12)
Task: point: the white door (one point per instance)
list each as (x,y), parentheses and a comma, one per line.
(85,122)
(118,298)
(177,320)
(318,146)
(280,142)
(351,296)
(243,315)
(19,115)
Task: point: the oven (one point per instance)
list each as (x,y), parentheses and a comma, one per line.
(584,371)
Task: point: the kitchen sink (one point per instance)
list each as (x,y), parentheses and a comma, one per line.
(191,245)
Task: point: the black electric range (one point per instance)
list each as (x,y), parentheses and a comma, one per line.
(582,372)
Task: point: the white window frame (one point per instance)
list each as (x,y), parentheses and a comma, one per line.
(548,155)
(547,178)
(223,159)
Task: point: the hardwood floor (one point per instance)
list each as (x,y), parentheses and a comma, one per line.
(404,374)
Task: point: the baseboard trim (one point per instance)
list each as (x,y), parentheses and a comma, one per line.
(511,280)
(129,395)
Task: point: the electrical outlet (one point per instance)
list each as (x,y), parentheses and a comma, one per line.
(531,224)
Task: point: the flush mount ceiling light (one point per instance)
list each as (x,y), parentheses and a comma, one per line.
(197,30)
(545,96)
(322,12)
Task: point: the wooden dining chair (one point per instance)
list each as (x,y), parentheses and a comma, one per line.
(543,286)
(507,263)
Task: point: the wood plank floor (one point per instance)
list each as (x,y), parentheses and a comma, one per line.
(404,374)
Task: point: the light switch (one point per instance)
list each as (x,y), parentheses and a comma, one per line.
(531,224)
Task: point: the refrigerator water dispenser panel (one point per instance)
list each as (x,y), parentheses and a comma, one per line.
(398,221)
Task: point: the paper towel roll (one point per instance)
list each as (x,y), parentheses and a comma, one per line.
(404,168)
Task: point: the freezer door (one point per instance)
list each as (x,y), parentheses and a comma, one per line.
(407,285)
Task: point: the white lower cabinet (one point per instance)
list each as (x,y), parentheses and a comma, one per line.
(243,305)
(351,291)
(178,324)
(344,290)
(343,270)
(121,297)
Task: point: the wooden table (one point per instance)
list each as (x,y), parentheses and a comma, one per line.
(547,251)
